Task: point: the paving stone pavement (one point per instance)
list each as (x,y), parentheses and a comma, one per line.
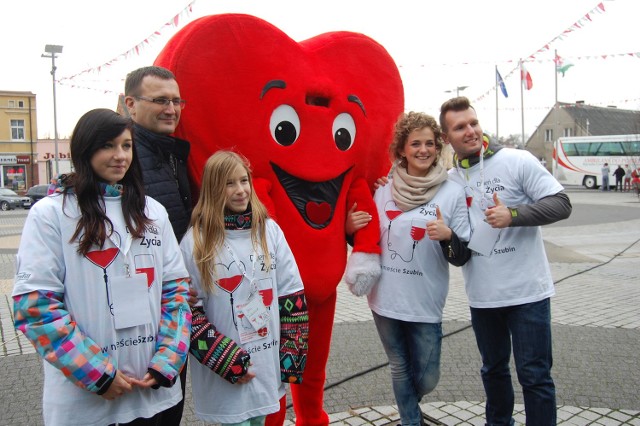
(595,262)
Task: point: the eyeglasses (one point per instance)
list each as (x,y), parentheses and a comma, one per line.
(177,102)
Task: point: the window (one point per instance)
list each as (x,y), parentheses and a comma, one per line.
(602,149)
(20,104)
(548,135)
(17,130)
(12,104)
(567,132)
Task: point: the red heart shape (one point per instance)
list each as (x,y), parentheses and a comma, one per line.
(392,214)
(230,284)
(102,258)
(318,212)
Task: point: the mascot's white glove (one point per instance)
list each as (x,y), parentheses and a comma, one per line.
(363,272)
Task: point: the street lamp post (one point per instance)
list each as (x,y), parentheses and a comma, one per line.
(52,49)
(457,90)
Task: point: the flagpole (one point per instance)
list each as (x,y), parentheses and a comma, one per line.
(522,101)
(497,85)
(554,163)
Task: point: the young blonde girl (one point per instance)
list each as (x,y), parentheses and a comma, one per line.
(250,326)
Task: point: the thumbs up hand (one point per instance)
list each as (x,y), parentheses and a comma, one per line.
(498,216)
(437,230)
(497,200)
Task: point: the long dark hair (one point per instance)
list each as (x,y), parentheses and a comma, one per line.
(92,131)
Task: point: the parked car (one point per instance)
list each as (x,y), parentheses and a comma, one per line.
(10,200)
(37,192)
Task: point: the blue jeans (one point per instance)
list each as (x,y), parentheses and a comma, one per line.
(528,326)
(413,349)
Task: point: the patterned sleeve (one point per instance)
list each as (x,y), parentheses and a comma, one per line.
(292,306)
(294,334)
(174,330)
(43,318)
(216,351)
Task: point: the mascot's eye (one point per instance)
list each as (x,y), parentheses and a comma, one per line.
(344,131)
(284,125)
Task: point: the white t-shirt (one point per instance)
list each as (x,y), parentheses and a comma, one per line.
(415,274)
(517,270)
(50,262)
(215,399)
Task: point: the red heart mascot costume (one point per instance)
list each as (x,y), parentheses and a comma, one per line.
(315,119)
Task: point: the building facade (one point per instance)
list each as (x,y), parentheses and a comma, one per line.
(579,119)
(18,140)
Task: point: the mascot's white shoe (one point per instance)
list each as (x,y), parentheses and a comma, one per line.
(363,272)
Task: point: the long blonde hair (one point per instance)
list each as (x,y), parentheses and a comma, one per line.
(207,219)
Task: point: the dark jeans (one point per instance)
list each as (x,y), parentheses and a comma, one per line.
(172,416)
(528,327)
(619,184)
(152,421)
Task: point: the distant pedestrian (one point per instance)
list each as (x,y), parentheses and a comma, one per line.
(635,180)
(53,184)
(605,177)
(619,174)
(627,178)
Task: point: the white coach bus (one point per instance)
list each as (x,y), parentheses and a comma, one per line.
(578,160)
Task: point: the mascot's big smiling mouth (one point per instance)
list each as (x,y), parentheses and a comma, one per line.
(315,201)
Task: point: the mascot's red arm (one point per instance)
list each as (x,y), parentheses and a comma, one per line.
(365,240)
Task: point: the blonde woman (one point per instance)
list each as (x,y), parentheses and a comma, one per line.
(251,325)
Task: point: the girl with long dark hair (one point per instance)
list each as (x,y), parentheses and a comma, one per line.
(101,289)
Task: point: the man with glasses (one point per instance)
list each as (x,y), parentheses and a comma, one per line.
(152,97)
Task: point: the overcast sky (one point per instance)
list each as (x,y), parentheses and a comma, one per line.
(437,45)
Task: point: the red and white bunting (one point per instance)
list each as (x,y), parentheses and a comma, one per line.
(173,22)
